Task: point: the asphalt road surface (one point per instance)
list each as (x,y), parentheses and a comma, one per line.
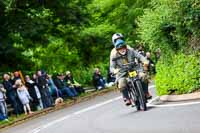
(108,114)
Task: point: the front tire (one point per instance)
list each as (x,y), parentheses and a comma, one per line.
(141,96)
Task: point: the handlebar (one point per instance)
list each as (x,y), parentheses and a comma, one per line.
(130,63)
(131,66)
(126,68)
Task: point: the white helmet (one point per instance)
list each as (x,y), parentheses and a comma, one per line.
(117,36)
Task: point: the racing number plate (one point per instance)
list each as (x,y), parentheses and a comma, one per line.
(132,74)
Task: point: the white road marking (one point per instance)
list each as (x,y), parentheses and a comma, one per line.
(153,99)
(97,105)
(151,86)
(37,130)
(173,105)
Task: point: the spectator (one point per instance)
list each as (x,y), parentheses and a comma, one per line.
(53,89)
(151,66)
(140,50)
(61,85)
(72,83)
(44,90)
(23,96)
(34,93)
(16,76)
(11,75)
(158,54)
(3,107)
(11,93)
(98,80)
(34,78)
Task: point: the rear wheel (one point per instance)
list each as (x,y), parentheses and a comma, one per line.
(141,96)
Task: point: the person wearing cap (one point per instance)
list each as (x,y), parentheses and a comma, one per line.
(62,86)
(73,83)
(123,54)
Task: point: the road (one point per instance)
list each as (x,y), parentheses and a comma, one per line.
(108,114)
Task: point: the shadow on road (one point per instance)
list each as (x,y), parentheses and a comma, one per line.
(133,111)
(149,108)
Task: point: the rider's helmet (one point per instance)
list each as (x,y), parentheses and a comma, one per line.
(119,44)
(117,36)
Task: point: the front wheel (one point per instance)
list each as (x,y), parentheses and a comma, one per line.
(141,96)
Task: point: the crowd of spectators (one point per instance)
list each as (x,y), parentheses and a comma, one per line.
(39,90)
(35,92)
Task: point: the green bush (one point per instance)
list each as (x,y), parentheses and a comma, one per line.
(171,25)
(179,75)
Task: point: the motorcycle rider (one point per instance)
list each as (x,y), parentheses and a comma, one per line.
(123,54)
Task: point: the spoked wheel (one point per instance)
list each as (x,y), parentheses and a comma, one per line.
(132,97)
(141,105)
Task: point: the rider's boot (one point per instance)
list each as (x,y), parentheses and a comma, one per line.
(146,91)
(148,95)
(128,102)
(126,97)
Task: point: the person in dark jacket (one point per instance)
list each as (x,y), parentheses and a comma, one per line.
(16,76)
(44,90)
(98,80)
(11,93)
(61,85)
(151,66)
(34,93)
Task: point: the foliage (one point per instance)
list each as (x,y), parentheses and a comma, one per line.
(180,74)
(169,24)
(75,35)
(172,26)
(28,30)
(58,35)
(84,75)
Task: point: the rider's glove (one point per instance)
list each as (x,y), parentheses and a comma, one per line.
(145,66)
